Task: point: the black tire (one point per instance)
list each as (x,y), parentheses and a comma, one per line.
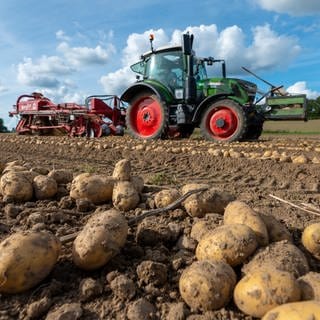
(186,130)
(224,121)
(147,117)
(254,129)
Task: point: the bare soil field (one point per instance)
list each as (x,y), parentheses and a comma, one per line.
(284,166)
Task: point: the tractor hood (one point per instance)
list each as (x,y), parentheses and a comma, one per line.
(244,91)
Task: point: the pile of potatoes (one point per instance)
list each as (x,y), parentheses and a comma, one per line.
(250,258)
(19,183)
(26,258)
(275,282)
(121,188)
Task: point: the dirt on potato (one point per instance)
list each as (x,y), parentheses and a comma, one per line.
(141,282)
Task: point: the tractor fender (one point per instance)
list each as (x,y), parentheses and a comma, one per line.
(206,102)
(136,88)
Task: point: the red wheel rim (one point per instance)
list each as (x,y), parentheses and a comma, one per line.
(222,123)
(146,117)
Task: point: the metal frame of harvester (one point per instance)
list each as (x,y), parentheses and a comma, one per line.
(39,115)
(171,97)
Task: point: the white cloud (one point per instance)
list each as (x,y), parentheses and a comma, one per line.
(47,71)
(270,50)
(205,38)
(43,72)
(138,44)
(301,87)
(60,35)
(116,82)
(63,94)
(84,55)
(292,7)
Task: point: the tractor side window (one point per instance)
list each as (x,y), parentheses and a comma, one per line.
(138,67)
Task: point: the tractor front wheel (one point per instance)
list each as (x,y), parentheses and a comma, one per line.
(147,117)
(224,120)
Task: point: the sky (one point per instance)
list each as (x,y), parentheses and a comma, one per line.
(70,49)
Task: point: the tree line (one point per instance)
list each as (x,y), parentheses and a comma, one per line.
(313,108)
(3,128)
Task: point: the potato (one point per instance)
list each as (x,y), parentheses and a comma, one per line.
(95,188)
(102,237)
(276,230)
(125,197)
(13,163)
(165,197)
(62,176)
(14,168)
(215,200)
(311,239)
(193,186)
(231,243)
(16,186)
(310,286)
(138,183)
(26,258)
(207,285)
(211,200)
(264,289)
(194,206)
(44,187)
(304,310)
(200,228)
(283,256)
(122,170)
(240,212)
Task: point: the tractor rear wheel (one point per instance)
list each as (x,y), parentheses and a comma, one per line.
(224,120)
(147,117)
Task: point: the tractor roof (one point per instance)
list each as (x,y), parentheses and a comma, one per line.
(162,49)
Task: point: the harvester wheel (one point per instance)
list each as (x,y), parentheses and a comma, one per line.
(254,130)
(94,129)
(224,120)
(186,130)
(147,117)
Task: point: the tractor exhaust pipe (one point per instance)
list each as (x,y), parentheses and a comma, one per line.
(190,81)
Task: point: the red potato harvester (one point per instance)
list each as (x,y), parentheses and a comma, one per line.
(101,115)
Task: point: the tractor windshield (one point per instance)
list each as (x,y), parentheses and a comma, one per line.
(167,68)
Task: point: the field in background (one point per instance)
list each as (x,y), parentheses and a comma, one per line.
(311,126)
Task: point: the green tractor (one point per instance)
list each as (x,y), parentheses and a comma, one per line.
(173,95)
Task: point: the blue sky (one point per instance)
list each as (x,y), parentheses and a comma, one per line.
(71,49)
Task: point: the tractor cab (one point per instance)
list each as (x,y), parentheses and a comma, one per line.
(165,67)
